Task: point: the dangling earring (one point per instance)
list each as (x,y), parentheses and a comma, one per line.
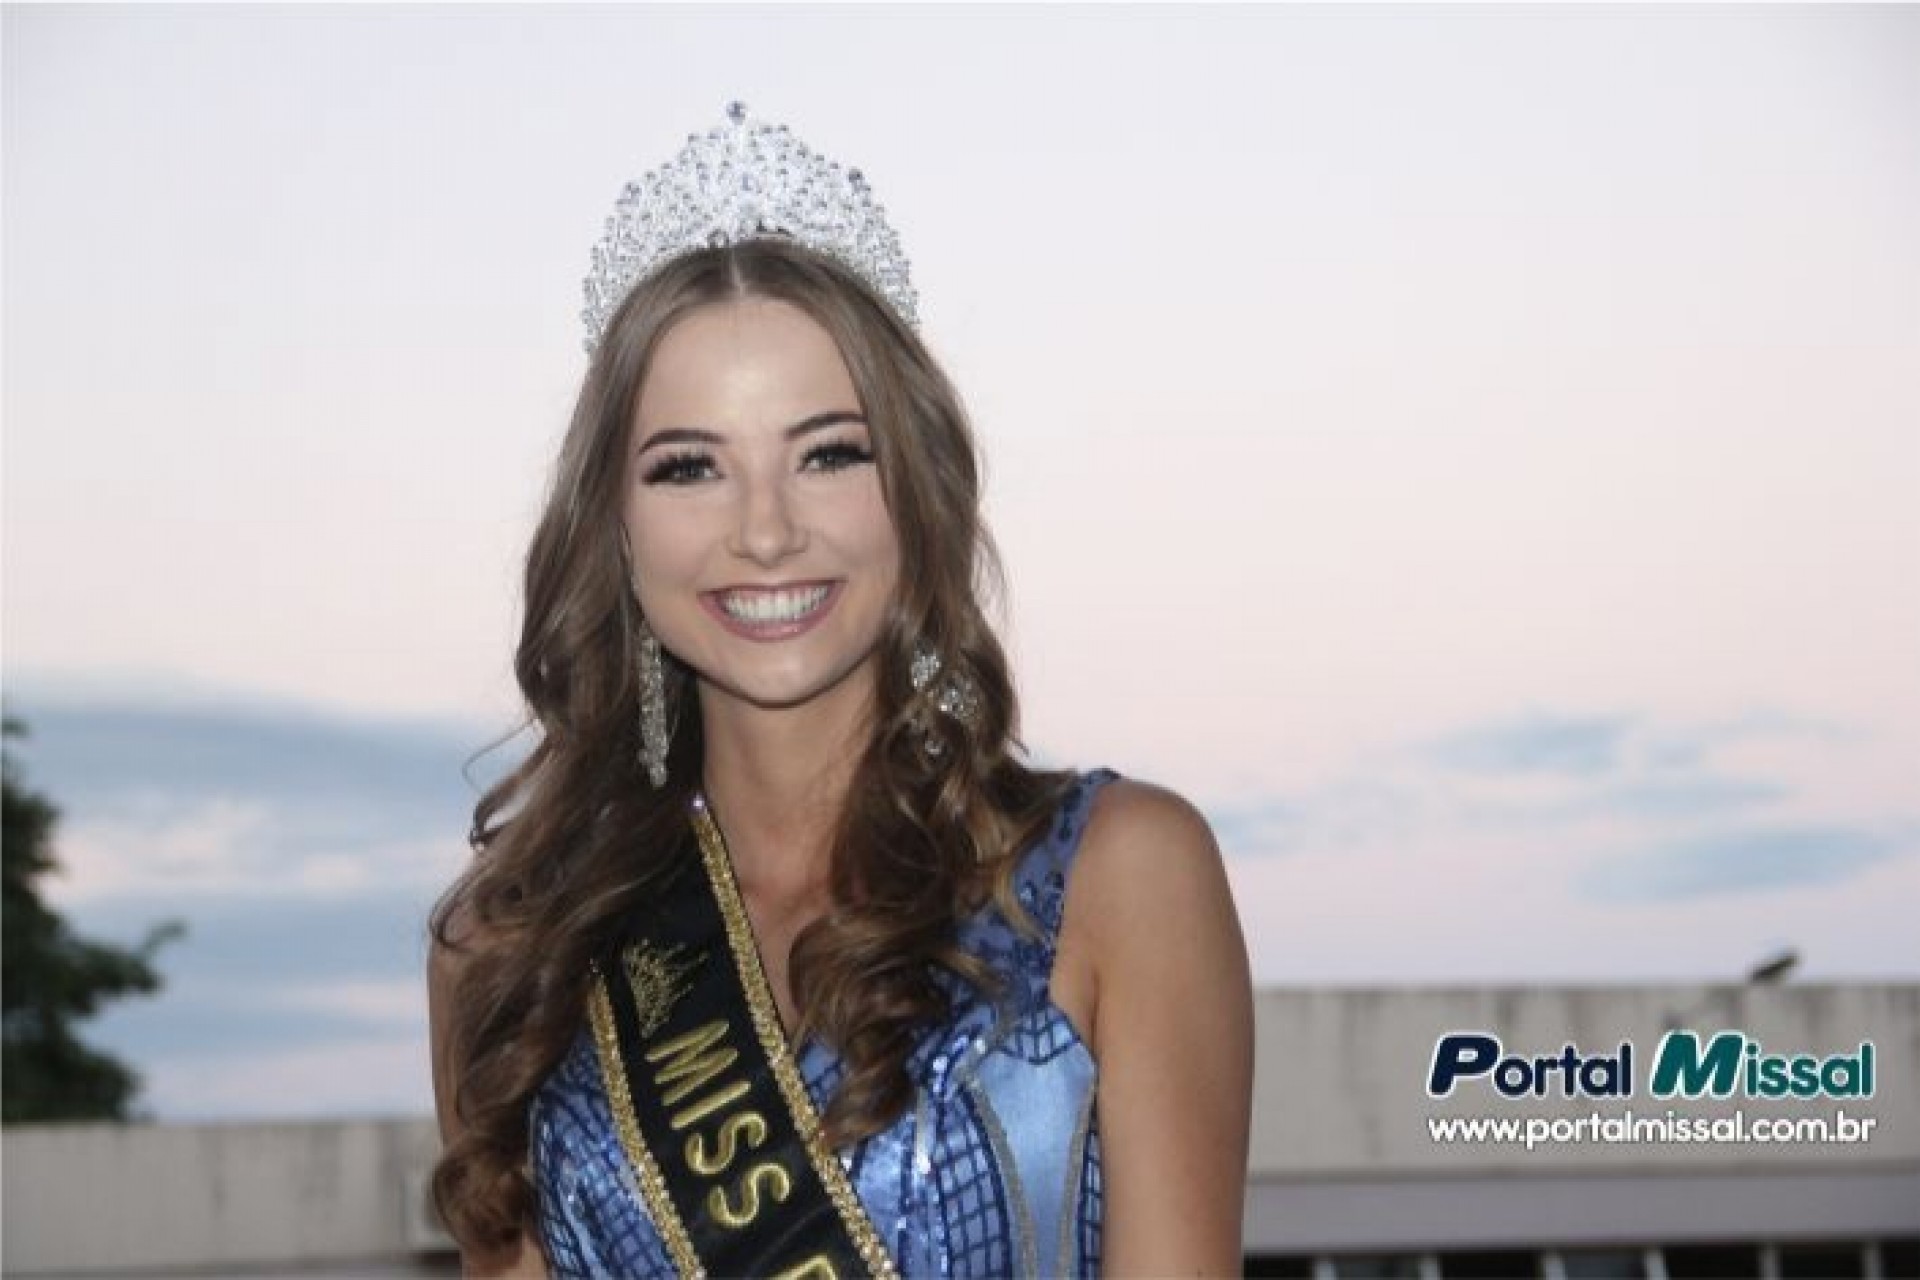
(955,697)
(654,734)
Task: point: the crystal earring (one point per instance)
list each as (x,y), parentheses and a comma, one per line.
(654,734)
(955,696)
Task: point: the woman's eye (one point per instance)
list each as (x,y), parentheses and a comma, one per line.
(836,456)
(679,468)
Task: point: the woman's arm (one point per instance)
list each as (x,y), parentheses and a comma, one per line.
(1150,909)
(523,1259)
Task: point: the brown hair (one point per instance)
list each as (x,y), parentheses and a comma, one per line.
(923,838)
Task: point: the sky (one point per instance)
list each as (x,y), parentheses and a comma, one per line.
(1473,453)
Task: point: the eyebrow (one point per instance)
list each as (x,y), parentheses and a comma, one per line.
(698,435)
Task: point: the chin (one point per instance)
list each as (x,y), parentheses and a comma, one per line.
(784,691)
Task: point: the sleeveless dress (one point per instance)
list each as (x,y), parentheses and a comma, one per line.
(993,1171)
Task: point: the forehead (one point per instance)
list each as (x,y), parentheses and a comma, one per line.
(744,363)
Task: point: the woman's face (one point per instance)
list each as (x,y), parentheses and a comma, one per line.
(762,551)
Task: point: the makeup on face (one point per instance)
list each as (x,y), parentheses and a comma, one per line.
(763,551)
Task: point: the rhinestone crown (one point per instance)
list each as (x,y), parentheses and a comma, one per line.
(743,180)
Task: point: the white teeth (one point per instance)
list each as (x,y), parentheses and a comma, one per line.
(772,606)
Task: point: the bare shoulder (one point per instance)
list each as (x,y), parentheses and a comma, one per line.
(1148,868)
(1148,849)
(1129,812)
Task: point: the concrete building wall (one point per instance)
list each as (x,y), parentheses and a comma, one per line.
(136,1198)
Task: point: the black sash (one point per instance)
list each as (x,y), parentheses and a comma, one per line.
(710,1107)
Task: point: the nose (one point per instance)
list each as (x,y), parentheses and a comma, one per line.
(766,530)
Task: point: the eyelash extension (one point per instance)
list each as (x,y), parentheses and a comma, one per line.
(688,466)
(677,468)
(838,455)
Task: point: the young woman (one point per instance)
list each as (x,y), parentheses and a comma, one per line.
(774,957)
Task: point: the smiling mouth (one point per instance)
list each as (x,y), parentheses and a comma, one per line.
(760,606)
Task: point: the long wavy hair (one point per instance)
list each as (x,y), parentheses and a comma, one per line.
(569,843)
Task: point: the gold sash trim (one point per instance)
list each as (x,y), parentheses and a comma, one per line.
(653,1186)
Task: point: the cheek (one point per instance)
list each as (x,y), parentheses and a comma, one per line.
(874,536)
(662,548)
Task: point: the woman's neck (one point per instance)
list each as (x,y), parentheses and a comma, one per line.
(777,779)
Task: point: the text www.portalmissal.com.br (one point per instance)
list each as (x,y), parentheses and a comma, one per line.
(1628,1129)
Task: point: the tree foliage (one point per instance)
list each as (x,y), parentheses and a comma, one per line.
(53,978)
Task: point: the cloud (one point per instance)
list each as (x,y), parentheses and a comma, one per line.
(180,798)
(279,938)
(384,1075)
(1567,791)
(1573,748)
(230,846)
(1549,773)
(1682,797)
(1258,826)
(1587,786)
(371,1002)
(1350,814)
(1742,861)
(1555,772)
(1648,802)
(87,753)
(1537,744)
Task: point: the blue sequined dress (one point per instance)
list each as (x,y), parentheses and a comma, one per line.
(994,1171)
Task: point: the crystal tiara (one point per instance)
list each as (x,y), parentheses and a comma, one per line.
(742,180)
